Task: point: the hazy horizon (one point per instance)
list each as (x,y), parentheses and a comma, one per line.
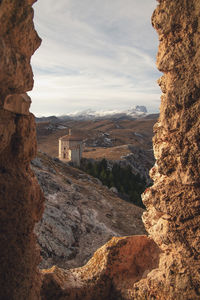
(94,55)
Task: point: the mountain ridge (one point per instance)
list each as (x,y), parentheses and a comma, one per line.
(135,112)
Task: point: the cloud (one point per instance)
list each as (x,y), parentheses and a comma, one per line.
(94,54)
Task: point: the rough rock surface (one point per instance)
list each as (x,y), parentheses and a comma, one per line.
(20,195)
(80,214)
(173,202)
(18,42)
(109,275)
(19,104)
(140,160)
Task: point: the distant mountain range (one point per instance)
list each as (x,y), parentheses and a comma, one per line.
(131,113)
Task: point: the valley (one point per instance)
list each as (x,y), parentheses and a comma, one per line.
(110,138)
(81,214)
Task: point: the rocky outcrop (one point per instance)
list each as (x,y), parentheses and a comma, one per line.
(18,104)
(20,196)
(140,160)
(18,42)
(109,275)
(80,214)
(173,202)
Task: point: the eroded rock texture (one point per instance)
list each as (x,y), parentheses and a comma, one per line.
(110,274)
(20,196)
(173,203)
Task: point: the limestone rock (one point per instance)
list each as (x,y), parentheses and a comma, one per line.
(7,129)
(110,274)
(114,190)
(21,207)
(173,203)
(18,42)
(18,104)
(21,200)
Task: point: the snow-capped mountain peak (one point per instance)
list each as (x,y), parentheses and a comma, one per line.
(89,114)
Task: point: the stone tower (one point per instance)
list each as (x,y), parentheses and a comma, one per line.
(70,148)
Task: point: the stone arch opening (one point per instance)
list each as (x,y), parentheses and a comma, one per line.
(172,216)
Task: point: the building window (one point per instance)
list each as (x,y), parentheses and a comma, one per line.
(64,155)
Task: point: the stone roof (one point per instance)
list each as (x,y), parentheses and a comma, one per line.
(71,138)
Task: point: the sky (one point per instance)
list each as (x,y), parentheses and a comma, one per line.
(95,54)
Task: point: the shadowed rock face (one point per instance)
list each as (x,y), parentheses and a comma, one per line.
(20,196)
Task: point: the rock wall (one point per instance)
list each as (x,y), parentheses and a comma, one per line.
(173,203)
(20,196)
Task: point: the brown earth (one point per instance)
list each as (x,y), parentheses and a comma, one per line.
(111,153)
(138,133)
(126,142)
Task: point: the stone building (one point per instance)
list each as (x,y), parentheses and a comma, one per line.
(70,148)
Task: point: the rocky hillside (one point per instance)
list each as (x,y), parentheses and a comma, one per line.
(140,160)
(127,142)
(80,214)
